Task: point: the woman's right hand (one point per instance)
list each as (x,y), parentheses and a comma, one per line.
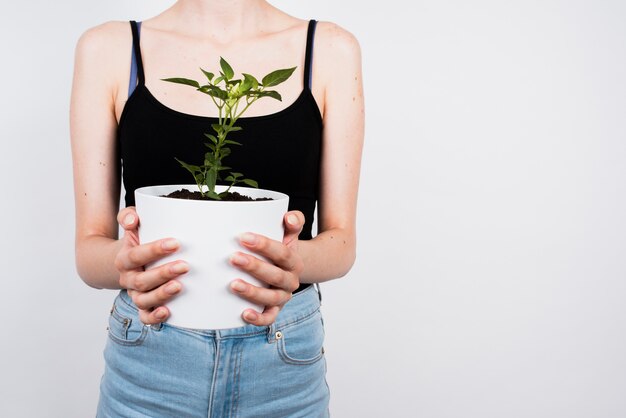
(151,289)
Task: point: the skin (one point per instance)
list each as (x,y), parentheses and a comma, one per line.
(176,43)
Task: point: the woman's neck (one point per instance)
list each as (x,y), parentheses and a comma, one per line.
(221,20)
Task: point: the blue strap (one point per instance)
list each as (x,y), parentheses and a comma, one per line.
(135,58)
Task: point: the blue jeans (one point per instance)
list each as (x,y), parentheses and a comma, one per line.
(262,372)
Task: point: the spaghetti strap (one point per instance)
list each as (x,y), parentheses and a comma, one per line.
(136,64)
(308,60)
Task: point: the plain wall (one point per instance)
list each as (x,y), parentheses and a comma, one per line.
(490,279)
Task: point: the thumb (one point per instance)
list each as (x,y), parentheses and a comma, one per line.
(127,218)
(293,221)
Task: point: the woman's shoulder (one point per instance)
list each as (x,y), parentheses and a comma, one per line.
(330,31)
(106,35)
(103,52)
(335,44)
(336,49)
(105,42)
(336,39)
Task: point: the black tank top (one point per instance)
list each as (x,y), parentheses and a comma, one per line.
(281,151)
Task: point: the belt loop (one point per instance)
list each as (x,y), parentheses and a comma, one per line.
(271,335)
(319,291)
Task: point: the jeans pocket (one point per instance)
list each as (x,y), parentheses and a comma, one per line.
(125,328)
(302,343)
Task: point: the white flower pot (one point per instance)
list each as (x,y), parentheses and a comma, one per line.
(208,233)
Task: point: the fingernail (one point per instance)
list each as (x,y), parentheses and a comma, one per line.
(160,314)
(292,220)
(170,244)
(238,286)
(248,238)
(129,219)
(238,259)
(180,268)
(250,316)
(172,288)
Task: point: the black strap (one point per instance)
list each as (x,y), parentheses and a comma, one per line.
(137,52)
(308,60)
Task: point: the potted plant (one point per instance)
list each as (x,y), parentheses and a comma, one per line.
(208,220)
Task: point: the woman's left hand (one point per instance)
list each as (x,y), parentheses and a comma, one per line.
(281,273)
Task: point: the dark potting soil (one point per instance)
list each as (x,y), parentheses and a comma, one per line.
(230,197)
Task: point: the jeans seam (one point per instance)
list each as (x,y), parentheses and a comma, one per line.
(234,404)
(285,357)
(216,365)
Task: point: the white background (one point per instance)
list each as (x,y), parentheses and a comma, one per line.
(490,279)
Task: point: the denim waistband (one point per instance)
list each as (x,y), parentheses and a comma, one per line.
(301,306)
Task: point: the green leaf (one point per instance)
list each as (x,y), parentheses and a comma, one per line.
(226,69)
(185,81)
(247,78)
(245,86)
(217,127)
(208,75)
(212,195)
(268,93)
(212,138)
(209,159)
(218,79)
(273,94)
(217,92)
(191,168)
(228,129)
(211,179)
(233,177)
(251,183)
(228,141)
(276,77)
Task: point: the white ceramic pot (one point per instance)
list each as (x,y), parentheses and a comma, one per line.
(208,232)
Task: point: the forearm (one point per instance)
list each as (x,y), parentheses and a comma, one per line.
(95,257)
(328,256)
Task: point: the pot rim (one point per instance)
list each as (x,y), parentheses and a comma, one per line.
(154,192)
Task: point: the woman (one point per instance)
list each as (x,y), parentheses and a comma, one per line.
(123,110)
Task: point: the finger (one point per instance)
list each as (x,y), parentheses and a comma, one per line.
(155,316)
(261,319)
(260,295)
(151,300)
(150,316)
(127,218)
(271,274)
(276,251)
(141,255)
(293,221)
(149,280)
